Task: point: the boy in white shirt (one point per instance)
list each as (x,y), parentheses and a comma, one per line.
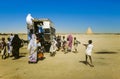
(89,48)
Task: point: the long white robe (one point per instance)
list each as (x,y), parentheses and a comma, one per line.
(32,47)
(53,47)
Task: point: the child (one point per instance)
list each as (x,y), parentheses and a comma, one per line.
(9,47)
(66,47)
(53,47)
(63,43)
(3,53)
(70,42)
(39,50)
(89,48)
(76,42)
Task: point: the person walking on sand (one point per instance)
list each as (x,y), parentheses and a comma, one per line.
(63,43)
(11,38)
(9,46)
(53,47)
(88,53)
(66,46)
(76,42)
(32,47)
(58,42)
(70,39)
(3,52)
(16,44)
(40,54)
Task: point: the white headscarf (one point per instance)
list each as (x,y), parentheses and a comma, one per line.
(32,42)
(34,37)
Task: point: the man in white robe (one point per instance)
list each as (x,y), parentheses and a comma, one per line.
(29,21)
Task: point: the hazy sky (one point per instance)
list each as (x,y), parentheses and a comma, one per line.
(103,16)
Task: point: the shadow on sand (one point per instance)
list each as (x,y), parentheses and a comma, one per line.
(23,54)
(86,63)
(106,52)
(21,57)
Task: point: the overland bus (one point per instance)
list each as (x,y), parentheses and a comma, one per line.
(45,30)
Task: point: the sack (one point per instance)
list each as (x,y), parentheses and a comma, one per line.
(40,55)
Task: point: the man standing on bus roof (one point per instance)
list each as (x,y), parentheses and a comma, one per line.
(30,28)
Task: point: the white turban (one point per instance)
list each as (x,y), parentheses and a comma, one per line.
(29,19)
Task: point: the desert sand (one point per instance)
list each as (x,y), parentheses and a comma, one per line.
(106,60)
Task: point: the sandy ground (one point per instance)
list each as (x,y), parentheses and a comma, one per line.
(106,60)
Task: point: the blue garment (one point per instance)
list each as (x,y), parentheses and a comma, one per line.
(29,35)
(41,29)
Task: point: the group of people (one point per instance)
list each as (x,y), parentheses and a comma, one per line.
(36,48)
(10,48)
(66,45)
